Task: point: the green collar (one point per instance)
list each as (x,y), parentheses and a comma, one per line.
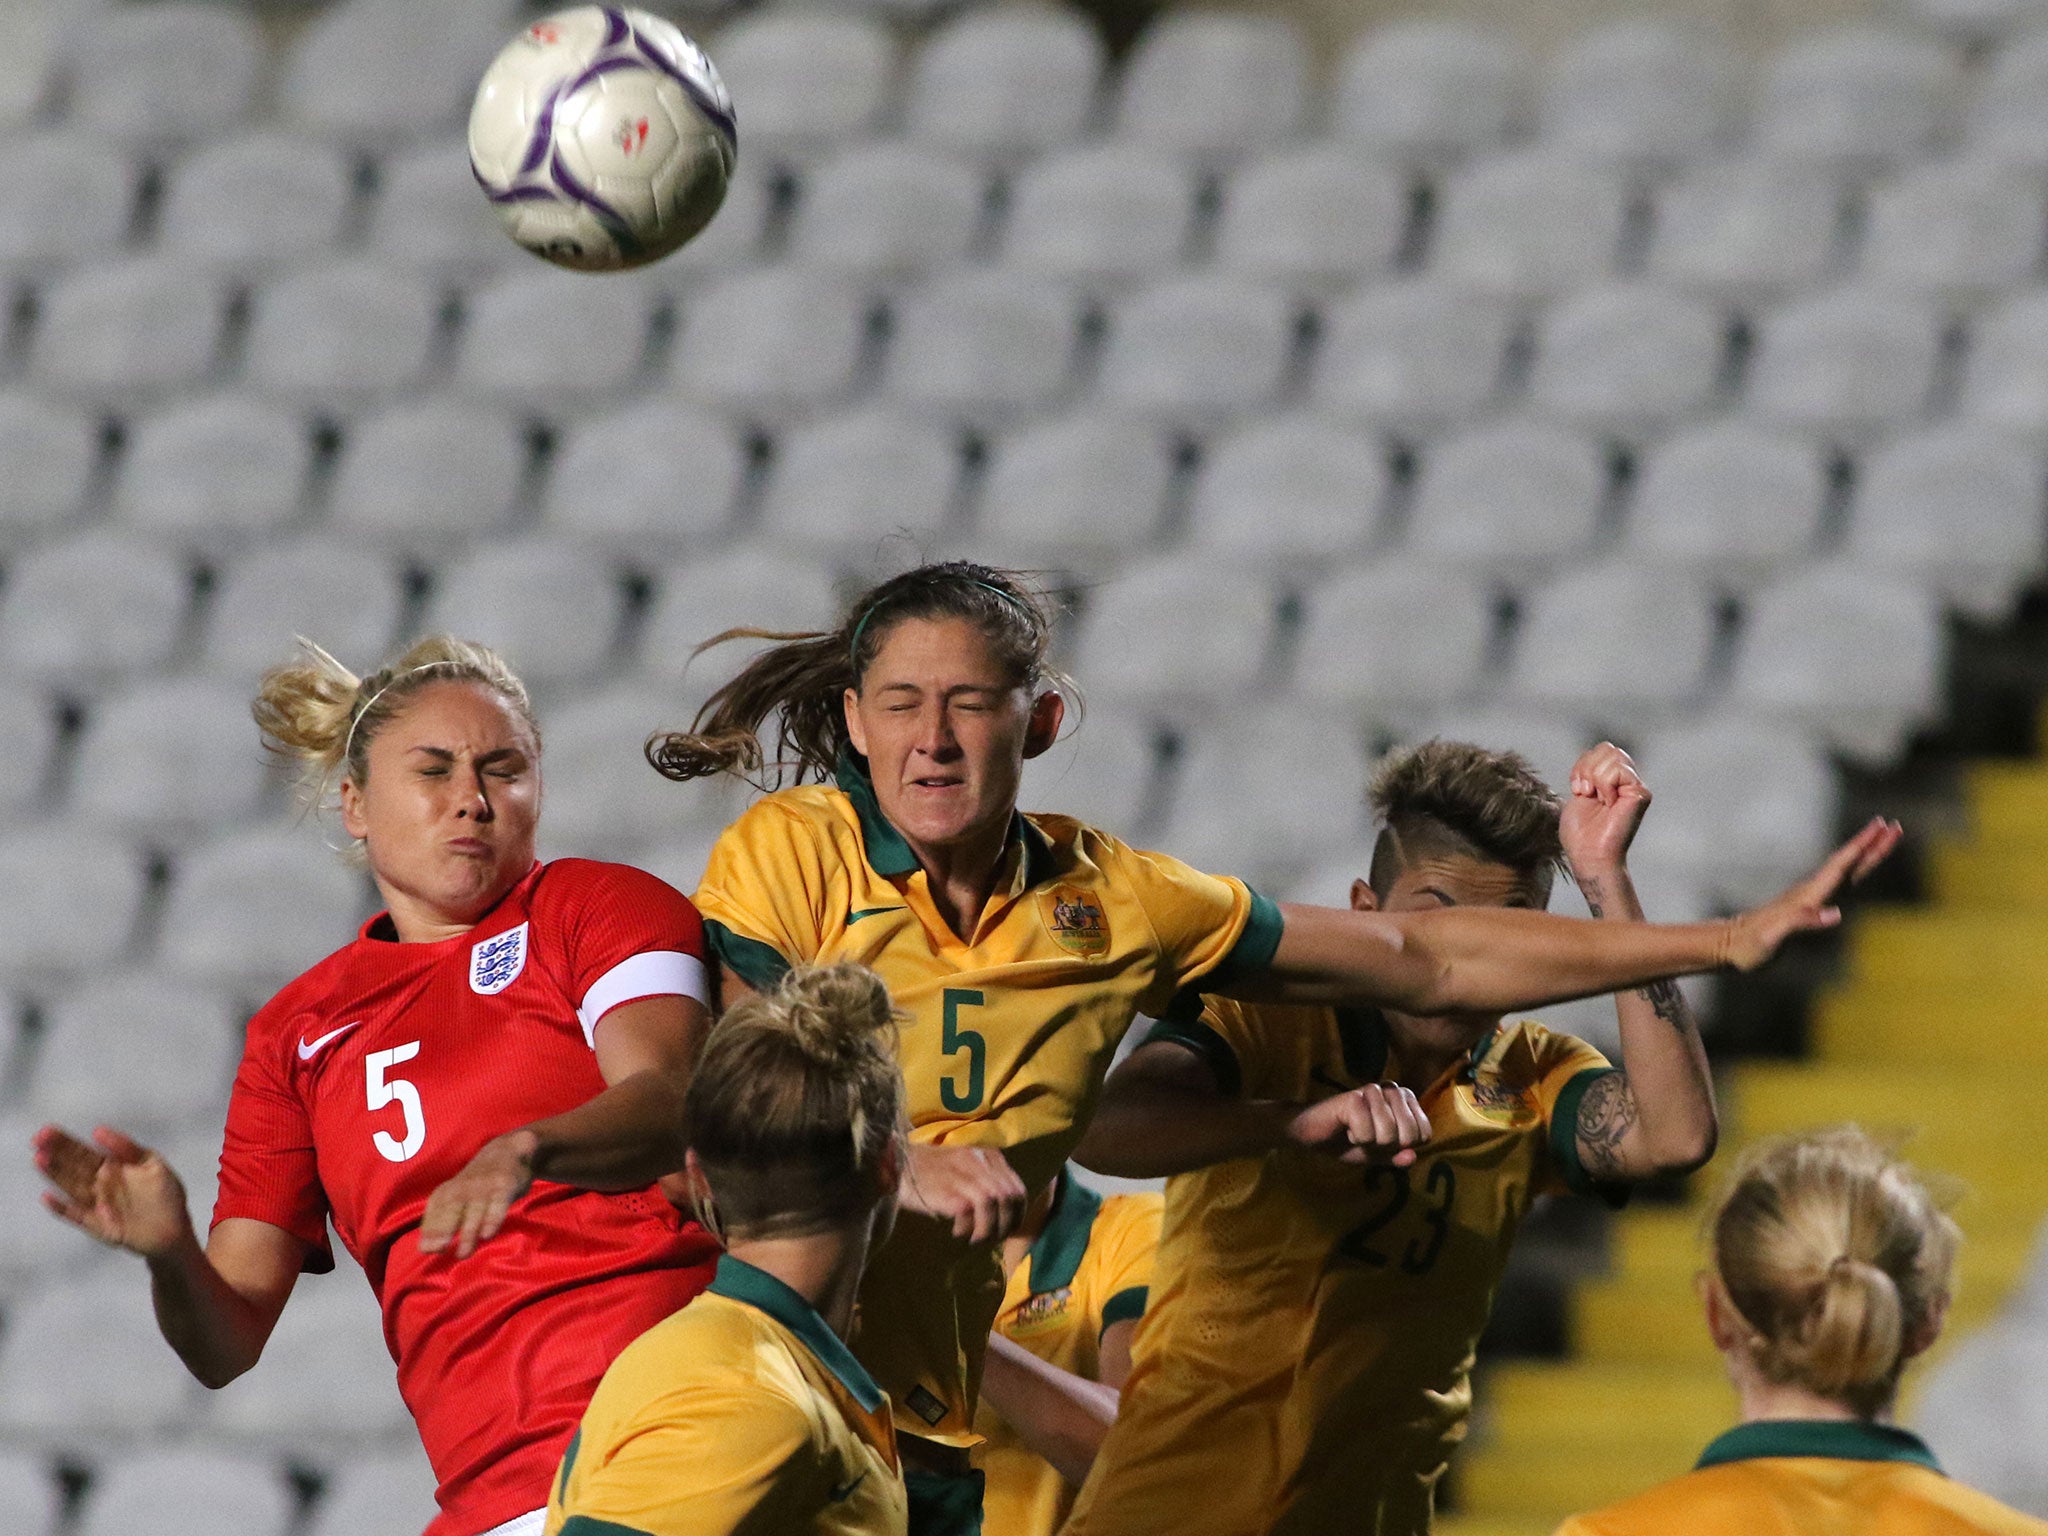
(741,1281)
(890,856)
(1830,1439)
(1057,1251)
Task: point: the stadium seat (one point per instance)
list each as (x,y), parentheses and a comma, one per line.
(30,1492)
(390,1495)
(1728,501)
(334,592)
(1746,806)
(28,72)
(2005,374)
(809,79)
(1135,643)
(1616,644)
(1104,770)
(603,798)
(1215,83)
(982,346)
(1956,508)
(1012,81)
(1102,213)
(47,454)
(1529,225)
(28,737)
(746,587)
(65,198)
(1198,348)
(429,216)
(1746,229)
(140,1051)
(89,890)
(1857,95)
(128,328)
(2008,119)
(547,337)
(1851,361)
(258,907)
(888,209)
(1290,491)
(772,338)
(325,1379)
(681,859)
(1359,652)
(188,1491)
(848,483)
(170,757)
(1431,89)
(1414,354)
(226,465)
(422,473)
(1628,359)
(82,1362)
(1314,217)
(1984,1408)
(374,71)
(648,478)
(1642,91)
(256,200)
(342,333)
(170,71)
(1087,486)
(1508,497)
(1957,230)
(552,605)
(92,607)
(1855,655)
(1977,21)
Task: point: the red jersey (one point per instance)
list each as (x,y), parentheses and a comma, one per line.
(379,1073)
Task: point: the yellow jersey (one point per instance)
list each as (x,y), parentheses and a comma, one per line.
(1088,1269)
(1008,1031)
(1810,1477)
(741,1412)
(1312,1324)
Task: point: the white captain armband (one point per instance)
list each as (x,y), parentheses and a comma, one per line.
(654,973)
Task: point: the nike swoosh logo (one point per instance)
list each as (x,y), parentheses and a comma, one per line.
(308,1049)
(840,1494)
(854,917)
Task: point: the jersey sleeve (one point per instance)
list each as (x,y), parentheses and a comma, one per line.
(762,895)
(1129,1234)
(268,1170)
(625,935)
(1230,1037)
(1569,1067)
(1209,928)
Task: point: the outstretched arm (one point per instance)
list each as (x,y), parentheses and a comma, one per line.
(1057,1414)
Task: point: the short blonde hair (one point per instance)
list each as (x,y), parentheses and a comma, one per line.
(1836,1254)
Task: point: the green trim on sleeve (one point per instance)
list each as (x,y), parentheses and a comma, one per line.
(585,1525)
(759,965)
(1252,954)
(1564,1140)
(568,1465)
(1125,1306)
(1194,1035)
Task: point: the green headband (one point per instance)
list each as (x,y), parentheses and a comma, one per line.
(853,642)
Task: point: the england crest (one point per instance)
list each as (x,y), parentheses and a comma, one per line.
(496,963)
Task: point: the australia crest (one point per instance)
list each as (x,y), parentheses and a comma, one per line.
(1076,921)
(495,963)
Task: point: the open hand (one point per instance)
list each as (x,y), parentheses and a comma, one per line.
(1362,1125)
(114,1189)
(1754,936)
(470,1208)
(974,1188)
(1599,821)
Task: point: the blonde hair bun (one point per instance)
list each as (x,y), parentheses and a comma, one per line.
(834,1011)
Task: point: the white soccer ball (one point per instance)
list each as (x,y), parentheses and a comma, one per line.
(603,137)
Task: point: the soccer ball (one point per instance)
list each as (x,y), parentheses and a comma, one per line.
(603,137)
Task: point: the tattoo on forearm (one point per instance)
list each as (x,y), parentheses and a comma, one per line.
(1606,1114)
(1596,902)
(1668,1003)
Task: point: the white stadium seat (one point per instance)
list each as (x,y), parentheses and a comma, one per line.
(1290,491)
(1508,496)
(1628,358)
(772,338)
(1215,83)
(152,73)
(748,587)
(389,1495)
(1358,648)
(129,328)
(370,71)
(256,200)
(28,736)
(1136,644)
(342,332)
(887,209)
(1106,212)
(1317,216)
(170,756)
(1015,80)
(544,336)
(430,216)
(28,72)
(553,606)
(2005,375)
(2008,118)
(426,472)
(141,1051)
(65,198)
(1411,354)
(809,78)
(603,799)
(1956,229)
(1956,508)
(229,465)
(30,1492)
(1746,229)
(1198,348)
(1852,361)
(1643,91)
(188,1491)
(325,1378)
(1616,644)
(258,907)
(1432,89)
(1983,1407)
(47,454)
(89,889)
(656,475)
(1857,95)
(848,483)
(982,344)
(93,606)
(1977,21)
(1529,224)
(1103,770)
(1729,501)
(1855,655)
(681,859)
(1086,485)
(82,1362)
(335,592)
